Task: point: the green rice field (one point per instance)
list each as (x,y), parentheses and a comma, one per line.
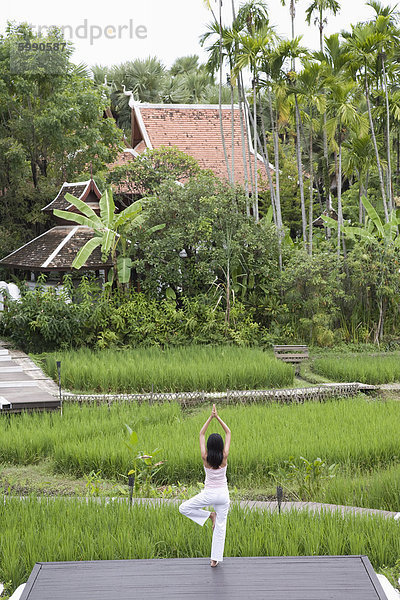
(70,530)
(361,436)
(191,368)
(371,369)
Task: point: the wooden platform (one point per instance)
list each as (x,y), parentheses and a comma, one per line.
(272,578)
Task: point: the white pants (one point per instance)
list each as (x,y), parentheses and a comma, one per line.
(193,508)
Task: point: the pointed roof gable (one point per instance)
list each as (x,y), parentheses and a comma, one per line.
(80,189)
(196,130)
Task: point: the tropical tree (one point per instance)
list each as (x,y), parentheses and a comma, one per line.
(292,49)
(145,78)
(310,91)
(52,127)
(380,245)
(344,114)
(320,7)
(334,63)
(358,158)
(362,44)
(385,26)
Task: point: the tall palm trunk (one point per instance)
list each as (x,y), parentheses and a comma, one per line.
(265,155)
(310,211)
(255,146)
(339,190)
(298,140)
(360,193)
(388,153)
(243,141)
(327,183)
(300,171)
(221,124)
(378,162)
(248,117)
(232,135)
(277,162)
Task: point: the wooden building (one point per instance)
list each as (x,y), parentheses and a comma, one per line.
(54,251)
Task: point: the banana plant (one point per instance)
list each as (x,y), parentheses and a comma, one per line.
(374,227)
(110,229)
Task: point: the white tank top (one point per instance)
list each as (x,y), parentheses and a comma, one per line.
(215,478)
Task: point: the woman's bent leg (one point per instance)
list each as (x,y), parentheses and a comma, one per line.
(193,508)
(218,539)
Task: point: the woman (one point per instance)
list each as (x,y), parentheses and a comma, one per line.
(215,491)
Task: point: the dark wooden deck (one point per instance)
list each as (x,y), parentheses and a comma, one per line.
(272,578)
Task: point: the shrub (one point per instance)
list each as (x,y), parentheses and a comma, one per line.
(48,319)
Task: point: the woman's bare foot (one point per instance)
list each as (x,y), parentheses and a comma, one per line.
(213,516)
(213,563)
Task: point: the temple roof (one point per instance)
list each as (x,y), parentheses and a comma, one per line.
(55,250)
(80,189)
(194,129)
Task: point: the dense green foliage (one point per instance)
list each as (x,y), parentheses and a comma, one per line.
(47,319)
(70,530)
(172,370)
(373,369)
(51,128)
(44,320)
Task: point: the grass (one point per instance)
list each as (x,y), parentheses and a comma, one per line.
(377,489)
(69,530)
(203,368)
(371,369)
(360,435)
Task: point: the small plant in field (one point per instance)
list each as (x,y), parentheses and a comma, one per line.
(145,466)
(307,479)
(149,468)
(6,590)
(93,483)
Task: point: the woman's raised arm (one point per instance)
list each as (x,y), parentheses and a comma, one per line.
(203,437)
(226,429)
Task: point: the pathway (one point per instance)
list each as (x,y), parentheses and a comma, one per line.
(23,385)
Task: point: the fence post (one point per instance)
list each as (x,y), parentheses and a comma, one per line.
(59,385)
(279,496)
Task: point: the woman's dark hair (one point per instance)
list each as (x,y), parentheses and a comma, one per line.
(215,450)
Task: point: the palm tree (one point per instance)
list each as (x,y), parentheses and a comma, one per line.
(320,7)
(145,78)
(362,45)
(358,158)
(184,65)
(251,54)
(218,51)
(251,20)
(386,18)
(293,50)
(334,63)
(310,90)
(343,106)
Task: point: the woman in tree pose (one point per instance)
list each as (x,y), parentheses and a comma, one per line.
(215,491)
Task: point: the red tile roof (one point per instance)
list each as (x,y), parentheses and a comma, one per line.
(195,130)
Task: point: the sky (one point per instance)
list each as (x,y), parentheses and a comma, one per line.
(166,29)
